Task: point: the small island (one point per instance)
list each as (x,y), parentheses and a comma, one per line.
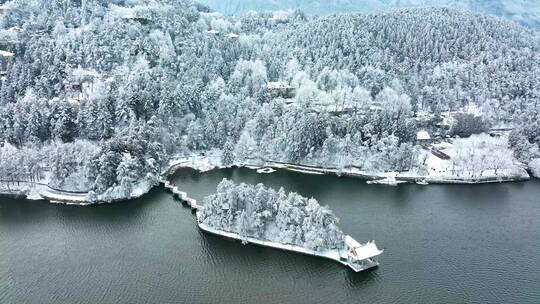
(288,221)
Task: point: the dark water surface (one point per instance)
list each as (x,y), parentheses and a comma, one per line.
(443,244)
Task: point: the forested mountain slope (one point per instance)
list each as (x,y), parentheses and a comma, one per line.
(526,12)
(113,73)
(443,58)
(99,95)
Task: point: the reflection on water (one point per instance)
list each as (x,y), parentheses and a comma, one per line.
(443,244)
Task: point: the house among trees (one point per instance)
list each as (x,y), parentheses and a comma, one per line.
(423,138)
(233,36)
(213,32)
(15,29)
(132,18)
(280,89)
(80,82)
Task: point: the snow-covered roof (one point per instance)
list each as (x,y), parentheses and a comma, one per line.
(233,35)
(6,54)
(368,251)
(375,107)
(15,29)
(423,135)
(349,241)
(213,32)
(81,72)
(362,252)
(277,85)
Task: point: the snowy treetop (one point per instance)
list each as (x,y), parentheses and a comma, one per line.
(266,214)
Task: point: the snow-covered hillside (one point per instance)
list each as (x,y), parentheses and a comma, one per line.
(526,12)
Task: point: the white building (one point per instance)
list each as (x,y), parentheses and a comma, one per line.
(423,138)
(280,89)
(80,83)
(361,257)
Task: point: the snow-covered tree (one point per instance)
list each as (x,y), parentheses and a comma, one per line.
(260,212)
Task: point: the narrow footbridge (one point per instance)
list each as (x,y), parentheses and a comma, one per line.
(181,195)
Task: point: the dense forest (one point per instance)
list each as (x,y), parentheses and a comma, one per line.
(263,213)
(526,12)
(99,95)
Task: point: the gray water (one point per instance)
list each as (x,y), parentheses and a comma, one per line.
(443,244)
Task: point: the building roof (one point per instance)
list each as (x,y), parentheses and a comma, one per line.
(6,54)
(214,32)
(423,135)
(362,252)
(367,251)
(15,29)
(81,72)
(278,85)
(233,35)
(349,241)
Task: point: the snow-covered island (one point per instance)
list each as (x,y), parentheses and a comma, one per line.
(263,216)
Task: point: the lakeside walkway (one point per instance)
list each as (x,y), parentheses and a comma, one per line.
(410,177)
(37,190)
(42,191)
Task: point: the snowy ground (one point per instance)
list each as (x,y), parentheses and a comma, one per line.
(478,157)
(59,196)
(32,191)
(40,191)
(202,162)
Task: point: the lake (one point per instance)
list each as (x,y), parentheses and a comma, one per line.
(443,244)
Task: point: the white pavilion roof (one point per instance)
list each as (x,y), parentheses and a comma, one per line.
(352,243)
(422,135)
(362,252)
